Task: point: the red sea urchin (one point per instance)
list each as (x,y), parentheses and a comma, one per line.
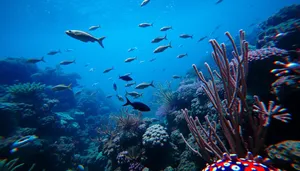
(233,163)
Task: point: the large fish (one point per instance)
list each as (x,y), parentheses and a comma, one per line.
(61,87)
(162,48)
(67,62)
(144,85)
(158,39)
(185,36)
(137,105)
(35,60)
(125,78)
(166,28)
(84,37)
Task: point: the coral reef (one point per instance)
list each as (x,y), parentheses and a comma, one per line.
(154,136)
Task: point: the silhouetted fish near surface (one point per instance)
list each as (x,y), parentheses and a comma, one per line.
(130,59)
(153,59)
(35,60)
(108,70)
(115,86)
(125,78)
(84,37)
(162,48)
(182,55)
(145,2)
(53,52)
(137,105)
(67,62)
(92,28)
(165,28)
(202,38)
(219,1)
(158,39)
(132,49)
(145,25)
(185,36)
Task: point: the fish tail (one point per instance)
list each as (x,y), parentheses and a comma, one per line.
(192,36)
(186,54)
(165,37)
(126,93)
(42,59)
(142,94)
(151,24)
(151,84)
(127,102)
(74,61)
(70,86)
(170,45)
(100,41)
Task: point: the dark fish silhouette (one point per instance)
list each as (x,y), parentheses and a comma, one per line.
(137,105)
(115,86)
(125,78)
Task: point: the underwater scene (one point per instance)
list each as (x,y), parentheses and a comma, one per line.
(149,85)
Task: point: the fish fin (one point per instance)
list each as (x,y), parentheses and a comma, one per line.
(42,59)
(165,37)
(100,41)
(170,45)
(70,86)
(127,102)
(151,84)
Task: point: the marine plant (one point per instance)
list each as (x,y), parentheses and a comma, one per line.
(233,112)
(128,121)
(26,91)
(9,166)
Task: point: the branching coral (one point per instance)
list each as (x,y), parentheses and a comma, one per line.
(233,110)
(9,166)
(164,93)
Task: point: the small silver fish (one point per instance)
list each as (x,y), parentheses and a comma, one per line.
(145,2)
(130,84)
(165,28)
(176,76)
(132,49)
(61,87)
(92,28)
(54,52)
(153,59)
(120,98)
(185,36)
(130,59)
(144,85)
(67,62)
(35,60)
(182,55)
(145,25)
(108,70)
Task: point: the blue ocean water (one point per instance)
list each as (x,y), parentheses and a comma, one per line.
(33,28)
